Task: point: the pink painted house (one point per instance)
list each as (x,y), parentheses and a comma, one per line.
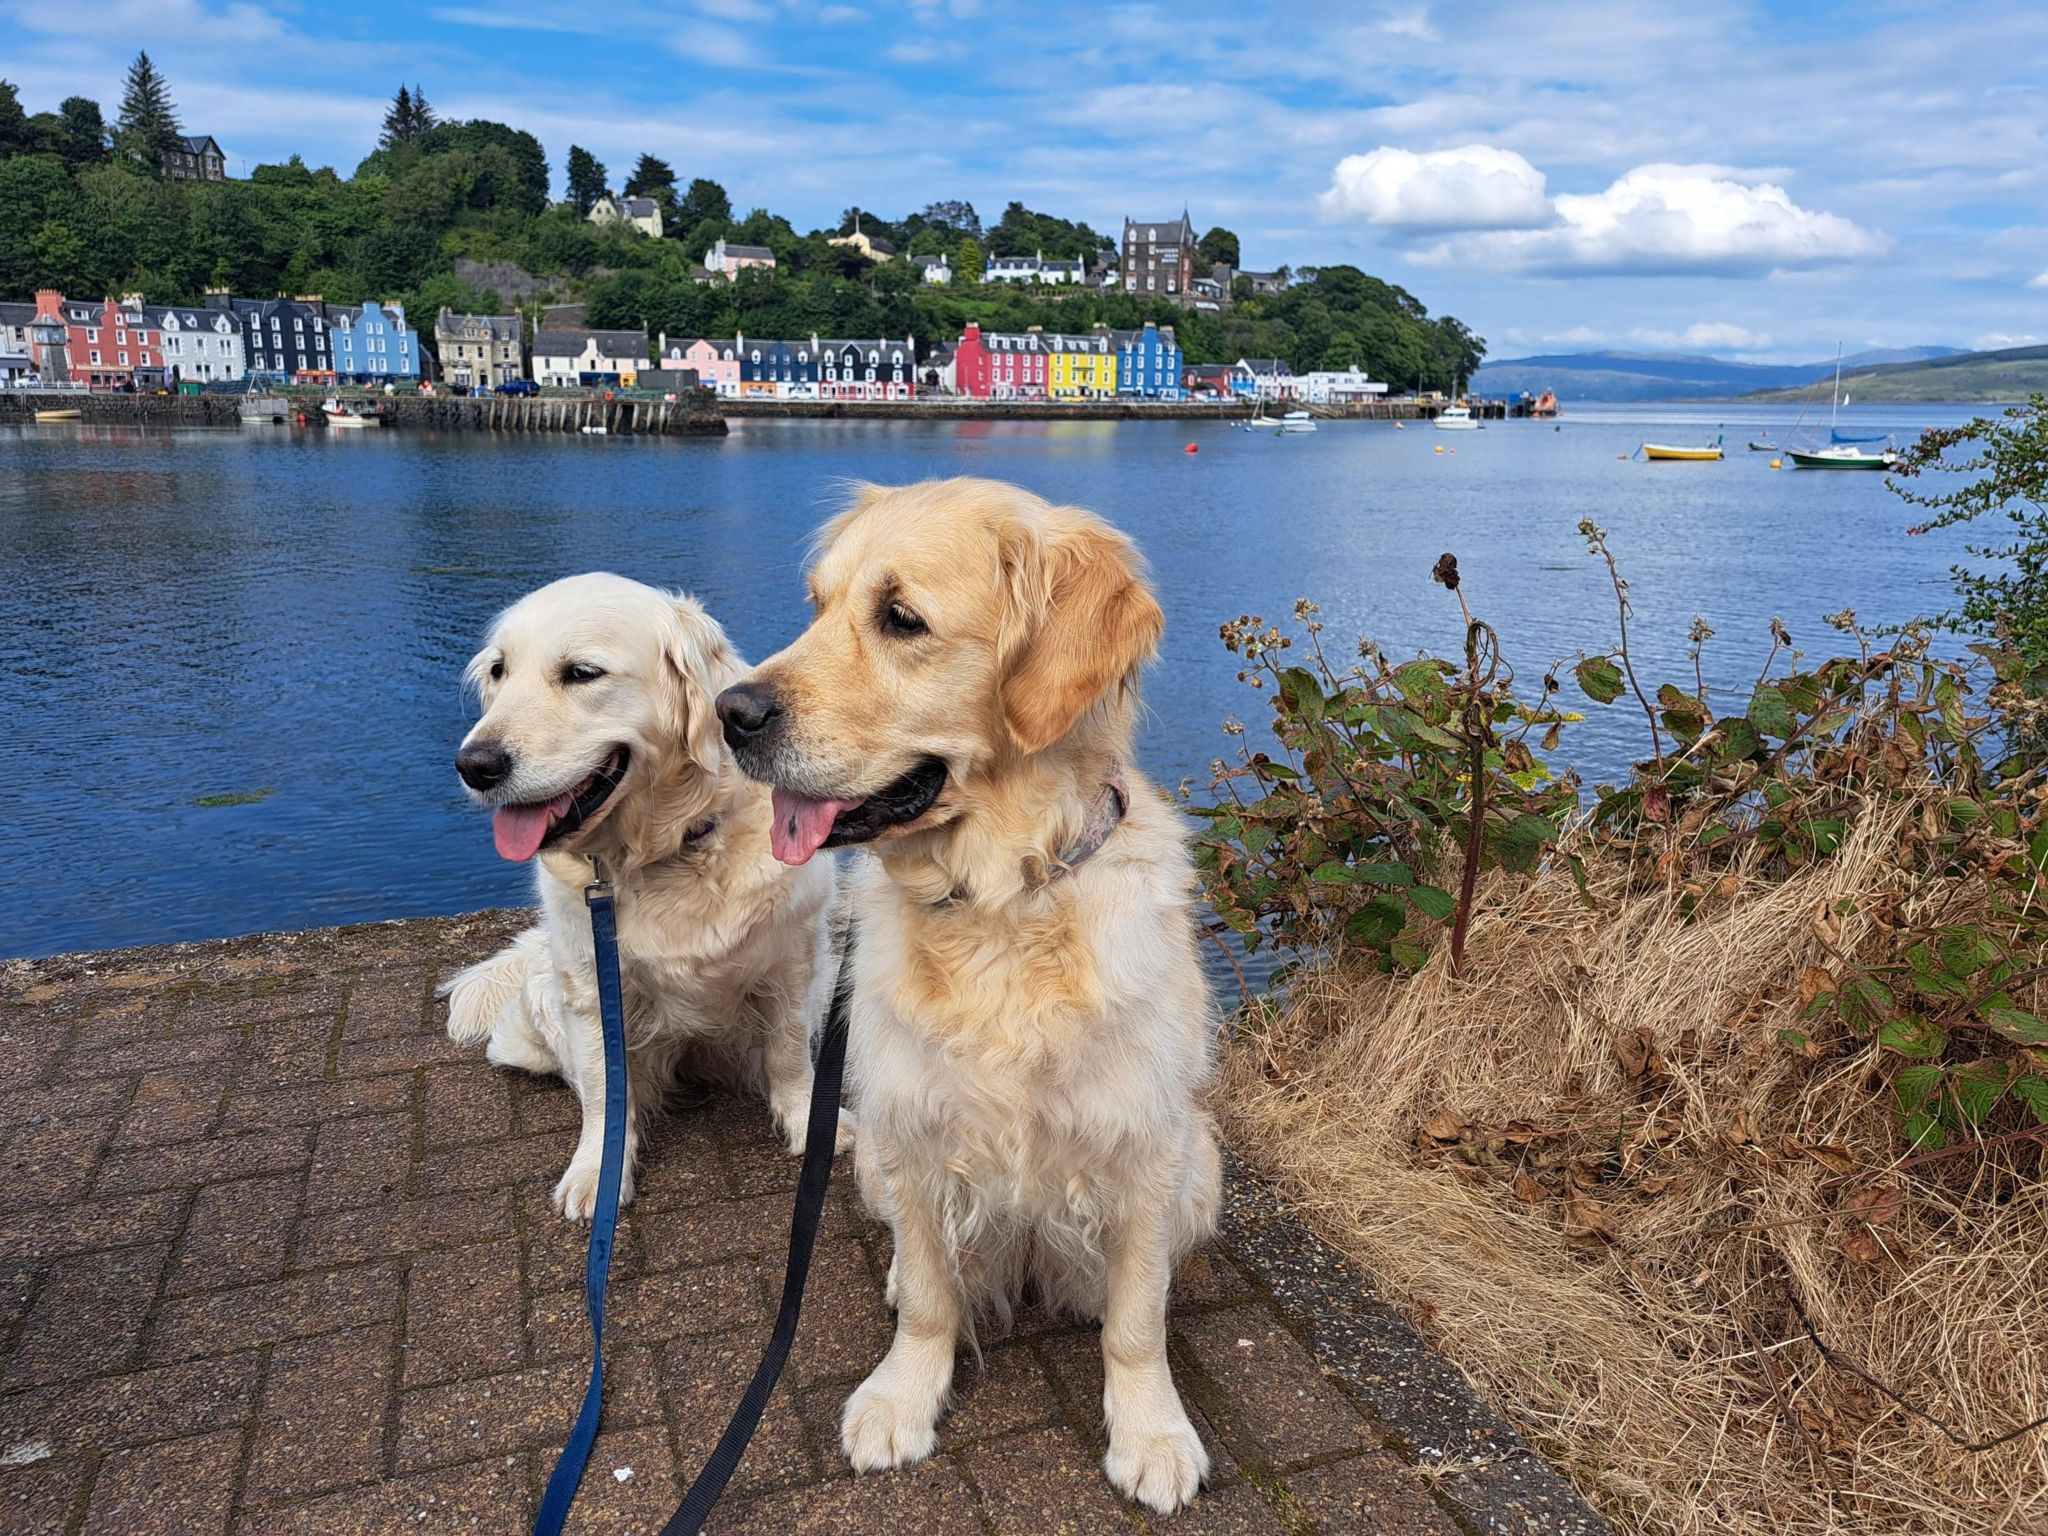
(717,362)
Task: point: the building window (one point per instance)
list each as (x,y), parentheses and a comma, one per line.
(95,359)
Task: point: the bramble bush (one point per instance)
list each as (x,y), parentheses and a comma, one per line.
(1389,789)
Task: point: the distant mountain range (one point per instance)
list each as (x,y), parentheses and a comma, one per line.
(2011,373)
(1671,376)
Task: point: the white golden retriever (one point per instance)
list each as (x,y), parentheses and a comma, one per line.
(1031,1031)
(599,742)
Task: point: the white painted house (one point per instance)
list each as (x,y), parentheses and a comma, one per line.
(564,358)
(1330,386)
(202,343)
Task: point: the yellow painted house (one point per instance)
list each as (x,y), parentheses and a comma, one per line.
(1082,367)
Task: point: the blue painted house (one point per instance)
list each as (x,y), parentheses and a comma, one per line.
(372,344)
(778,370)
(1148,363)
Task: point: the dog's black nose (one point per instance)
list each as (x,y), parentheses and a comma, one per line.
(483,764)
(748,710)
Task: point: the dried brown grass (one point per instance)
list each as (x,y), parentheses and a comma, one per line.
(1705,1167)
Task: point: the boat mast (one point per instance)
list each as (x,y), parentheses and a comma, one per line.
(1836,409)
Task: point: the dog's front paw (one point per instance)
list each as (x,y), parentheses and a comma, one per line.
(795,1126)
(880,1430)
(1160,1469)
(576,1195)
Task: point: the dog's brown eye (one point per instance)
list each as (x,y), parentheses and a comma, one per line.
(581,672)
(902,621)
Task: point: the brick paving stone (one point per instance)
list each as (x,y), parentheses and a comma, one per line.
(322,1422)
(679,1166)
(1045,1483)
(399,1053)
(531,1408)
(288,1053)
(674,1304)
(87,1317)
(40,1498)
(54,1160)
(415,1226)
(1239,1511)
(556,1249)
(1372,1492)
(1274,1391)
(173,1104)
(154,1403)
(202,1162)
(636,1505)
(359,1161)
(462,1314)
(526,1161)
(312,1103)
(542,1104)
(25,1057)
(385,1003)
(238,1234)
(461,1105)
(1008,1391)
(172,1488)
(304,1306)
(1207,1277)
(29,1240)
(486,1498)
(846,1325)
(184,1049)
(725,1230)
(926,1500)
(702,1380)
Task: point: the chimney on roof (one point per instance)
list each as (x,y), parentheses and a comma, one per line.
(217,298)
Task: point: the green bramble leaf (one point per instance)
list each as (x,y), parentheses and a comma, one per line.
(1770,714)
(1600,678)
(1431,902)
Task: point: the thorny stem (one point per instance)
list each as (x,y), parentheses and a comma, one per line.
(1628,665)
(1476,733)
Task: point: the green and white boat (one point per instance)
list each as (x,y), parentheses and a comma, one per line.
(1844,451)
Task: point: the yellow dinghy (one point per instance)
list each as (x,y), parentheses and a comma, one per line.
(58,415)
(1667,451)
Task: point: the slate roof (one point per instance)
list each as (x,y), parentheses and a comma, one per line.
(1179,230)
(609,343)
(750,252)
(196,144)
(17,314)
(498,327)
(1269,367)
(638,207)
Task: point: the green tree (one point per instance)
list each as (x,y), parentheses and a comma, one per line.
(398,121)
(2002,464)
(968,265)
(149,122)
(423,117)
(84,132)
(650,176)
(1218,245)
(14,131)
(704,202)
(586,179)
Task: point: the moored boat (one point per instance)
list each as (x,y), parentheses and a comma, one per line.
(1456,418)
(64,414)
(347,416)
(1297,421)
(1706,452)
(1843,456)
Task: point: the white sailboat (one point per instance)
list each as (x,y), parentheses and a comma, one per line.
(1851,452)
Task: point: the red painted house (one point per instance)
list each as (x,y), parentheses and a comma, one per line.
(112,345)
(1000,365)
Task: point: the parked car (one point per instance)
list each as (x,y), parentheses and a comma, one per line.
(519,387)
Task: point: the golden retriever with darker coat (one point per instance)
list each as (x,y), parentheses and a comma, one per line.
(1031,1032)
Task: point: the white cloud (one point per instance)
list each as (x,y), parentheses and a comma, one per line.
(2039,282)
(1473,187)
(709,43)
(925,50)
(840,15)
(736,10)
(1713,335)
(1661,219)
(1995,341)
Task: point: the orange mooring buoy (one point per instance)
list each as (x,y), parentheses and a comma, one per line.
(1192,448)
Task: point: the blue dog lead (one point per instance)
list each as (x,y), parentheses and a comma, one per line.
(822,1134)
(597,1264)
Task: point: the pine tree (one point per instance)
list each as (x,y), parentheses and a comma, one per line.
(586,178)
(14,134)
(85,131)
(423,116)
(650,176)
(149,122)
(397,121)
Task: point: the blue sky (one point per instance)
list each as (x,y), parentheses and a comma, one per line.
(1713,176)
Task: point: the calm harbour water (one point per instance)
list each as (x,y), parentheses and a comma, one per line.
(195,615)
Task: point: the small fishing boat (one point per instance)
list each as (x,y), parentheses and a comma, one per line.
(70,414)
(1708,452)
(345,416)
(596,432)
(1297,421)
(1456,418)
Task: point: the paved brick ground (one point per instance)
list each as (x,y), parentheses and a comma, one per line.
(277,1258)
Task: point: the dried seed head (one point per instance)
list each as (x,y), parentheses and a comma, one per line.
(1445,571)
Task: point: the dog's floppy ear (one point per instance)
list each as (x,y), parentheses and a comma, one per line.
(1086,622)
(700,663)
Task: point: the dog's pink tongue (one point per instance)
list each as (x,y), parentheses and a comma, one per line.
(801,824)
(519,830)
